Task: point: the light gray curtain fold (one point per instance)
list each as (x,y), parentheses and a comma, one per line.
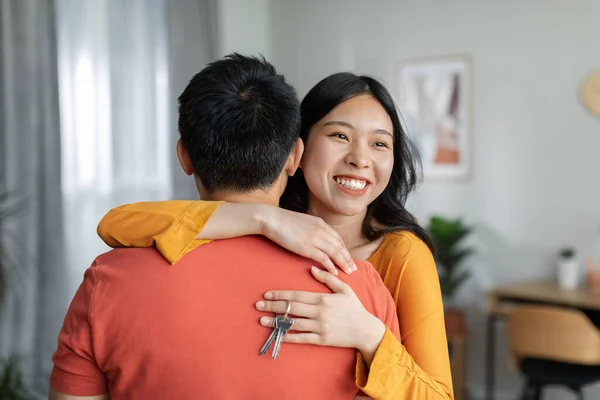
(192,43)
(30,158)
(82,93)
(114,97)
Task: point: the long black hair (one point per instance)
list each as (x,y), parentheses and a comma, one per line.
(389,208)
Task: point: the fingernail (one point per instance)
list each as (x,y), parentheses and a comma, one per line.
(315,269)
(265,321)
(260,305)
(354,267)
(268,295)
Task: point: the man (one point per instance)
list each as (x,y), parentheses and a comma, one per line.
(139,328)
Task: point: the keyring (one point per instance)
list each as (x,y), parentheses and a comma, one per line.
(289,308)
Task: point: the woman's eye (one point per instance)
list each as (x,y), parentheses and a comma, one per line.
(381,144)
(339,135)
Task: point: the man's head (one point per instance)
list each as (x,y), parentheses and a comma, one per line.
(239,123)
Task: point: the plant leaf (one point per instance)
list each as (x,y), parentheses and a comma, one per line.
(10,207)
(459,256)
(12,381)
(447,234)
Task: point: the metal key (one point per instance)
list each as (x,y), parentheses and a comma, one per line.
(284,324)
(272,337)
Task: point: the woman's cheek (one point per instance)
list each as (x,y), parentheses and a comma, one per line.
(311,173)
(385,173)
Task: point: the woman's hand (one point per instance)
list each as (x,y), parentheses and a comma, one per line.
(327,319)
(307,236)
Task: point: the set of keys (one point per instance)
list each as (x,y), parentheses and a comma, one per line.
(281,325)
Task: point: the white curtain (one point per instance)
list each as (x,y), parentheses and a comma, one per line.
(115,114)
(30,170)
(95,80)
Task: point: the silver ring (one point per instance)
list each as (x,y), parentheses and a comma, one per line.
(289,308)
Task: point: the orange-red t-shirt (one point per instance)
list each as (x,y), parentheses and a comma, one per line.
(139,328)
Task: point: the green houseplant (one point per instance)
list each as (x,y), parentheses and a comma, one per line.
(12,382)
(447,235)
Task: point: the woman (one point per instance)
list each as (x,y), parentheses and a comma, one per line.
(356,173)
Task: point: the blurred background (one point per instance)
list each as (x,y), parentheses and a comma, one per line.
(503,93)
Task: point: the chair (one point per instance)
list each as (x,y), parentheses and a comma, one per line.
(554,346)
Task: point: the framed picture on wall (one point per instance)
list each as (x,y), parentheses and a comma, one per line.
(436,104)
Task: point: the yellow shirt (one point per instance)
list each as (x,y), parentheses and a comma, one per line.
(415,368)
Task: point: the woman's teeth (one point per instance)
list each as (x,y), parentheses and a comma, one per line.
(351,183)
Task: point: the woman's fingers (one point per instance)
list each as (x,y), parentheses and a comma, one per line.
(310,237)
(294,295)
(337,252)
(341,255)
(280,307)
(300,324)
(323,259)
(331,243)
(306,338)
(332,282)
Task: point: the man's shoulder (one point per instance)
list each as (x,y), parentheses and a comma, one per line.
(365,275)
(128,259)
(244,241)
(129,253)
(246,247)
(365,280)
(251,247)
(370,289)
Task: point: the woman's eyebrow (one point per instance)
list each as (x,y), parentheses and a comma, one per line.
(383,132)
(342,123)
(380,131)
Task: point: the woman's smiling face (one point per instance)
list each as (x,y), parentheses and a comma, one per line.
(348,159)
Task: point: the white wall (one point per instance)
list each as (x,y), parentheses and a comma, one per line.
(244,26)
(536,150)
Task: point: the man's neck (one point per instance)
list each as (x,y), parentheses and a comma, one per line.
(256,196)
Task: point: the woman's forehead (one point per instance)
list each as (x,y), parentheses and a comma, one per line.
(362,111)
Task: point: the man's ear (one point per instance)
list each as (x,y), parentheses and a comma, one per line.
(184,158)
(294,158)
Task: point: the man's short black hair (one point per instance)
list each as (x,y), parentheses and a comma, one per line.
(239,121)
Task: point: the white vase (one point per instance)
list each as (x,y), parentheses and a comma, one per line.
(568,273)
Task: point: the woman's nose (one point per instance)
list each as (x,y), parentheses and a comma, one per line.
(358,158)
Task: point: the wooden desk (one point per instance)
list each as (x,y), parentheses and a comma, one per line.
(504,298)
(456,331)
(458,365)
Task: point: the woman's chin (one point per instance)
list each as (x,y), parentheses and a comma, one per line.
(350,210)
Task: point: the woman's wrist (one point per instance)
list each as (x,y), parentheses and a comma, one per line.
(262,219)
(370,339)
